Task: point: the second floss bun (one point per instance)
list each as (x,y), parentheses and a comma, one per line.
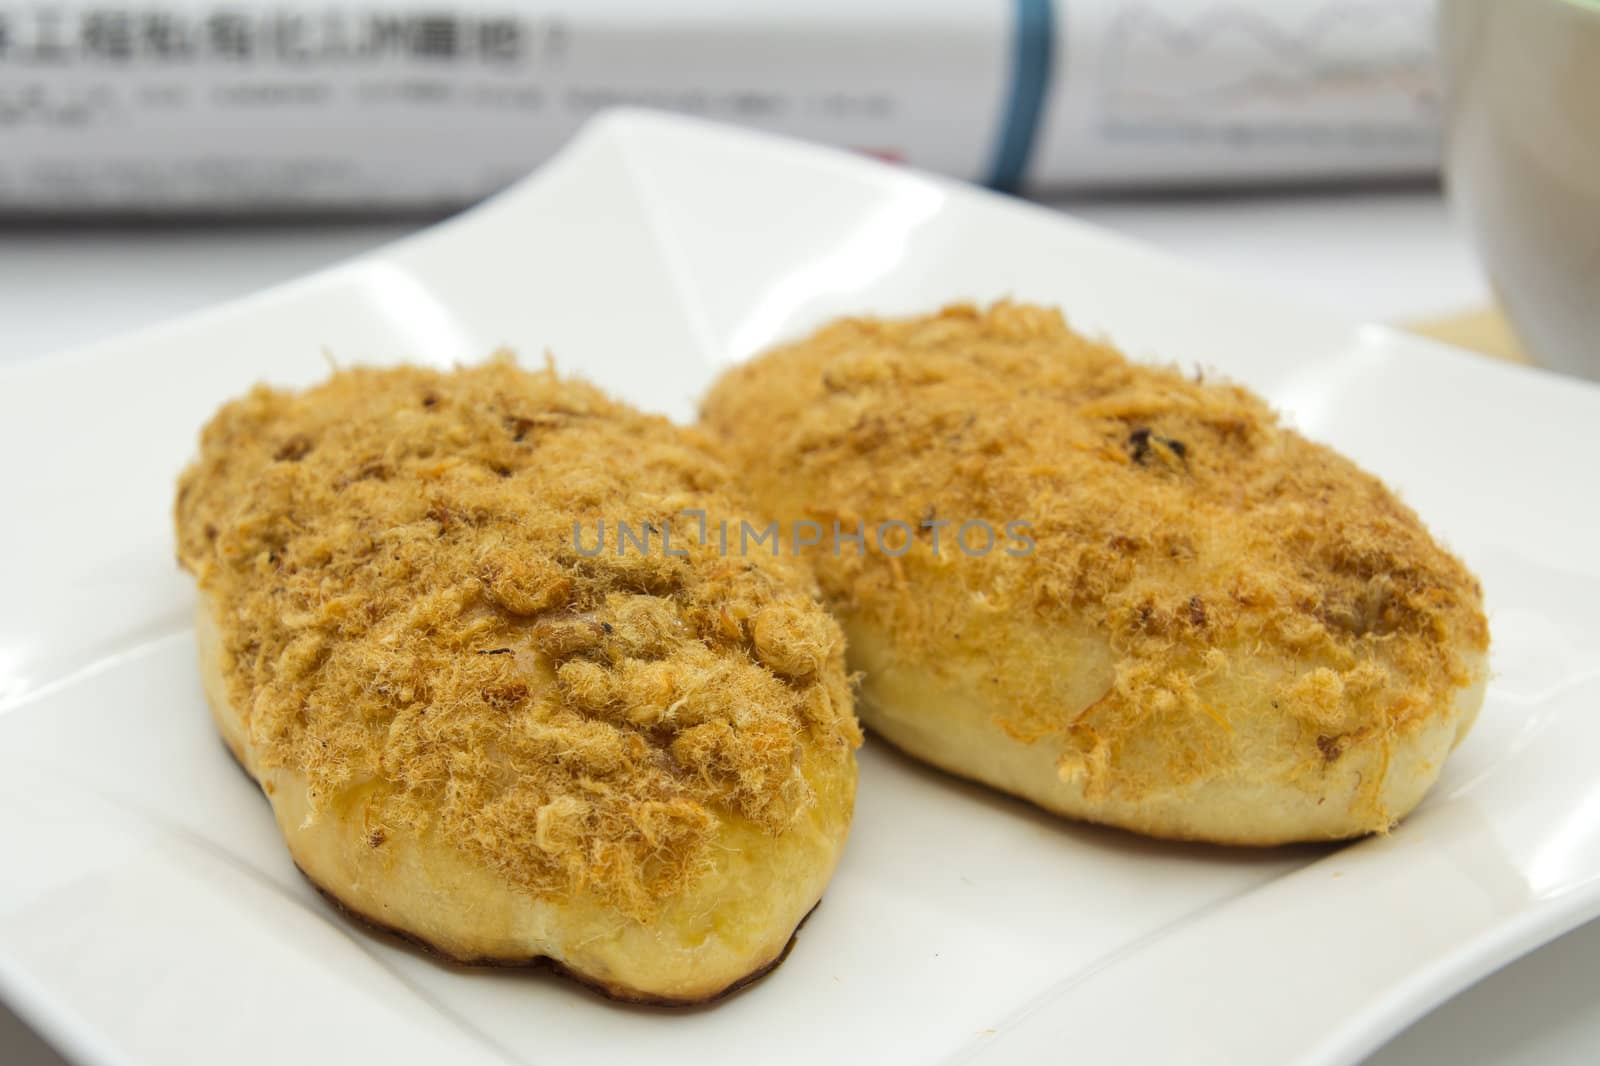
(1222,632)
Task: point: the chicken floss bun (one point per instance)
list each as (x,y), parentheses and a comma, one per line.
(478,731)
(1189,621)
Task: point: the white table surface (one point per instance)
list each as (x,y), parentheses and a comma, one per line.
(1372,254)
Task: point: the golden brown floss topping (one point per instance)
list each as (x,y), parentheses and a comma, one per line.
(1177,515)
(390,556)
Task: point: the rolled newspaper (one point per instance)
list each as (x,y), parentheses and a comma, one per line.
(381,105)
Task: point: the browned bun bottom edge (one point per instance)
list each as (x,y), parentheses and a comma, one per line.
(615,993)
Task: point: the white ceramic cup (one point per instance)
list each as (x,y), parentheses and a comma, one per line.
(1523,163)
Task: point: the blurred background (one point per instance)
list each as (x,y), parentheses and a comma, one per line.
(158,156)
(317,105)
(164,154)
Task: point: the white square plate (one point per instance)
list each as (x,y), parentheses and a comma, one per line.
(149,914)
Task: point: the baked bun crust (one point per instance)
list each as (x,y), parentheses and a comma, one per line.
(476,733)
(1208,628)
